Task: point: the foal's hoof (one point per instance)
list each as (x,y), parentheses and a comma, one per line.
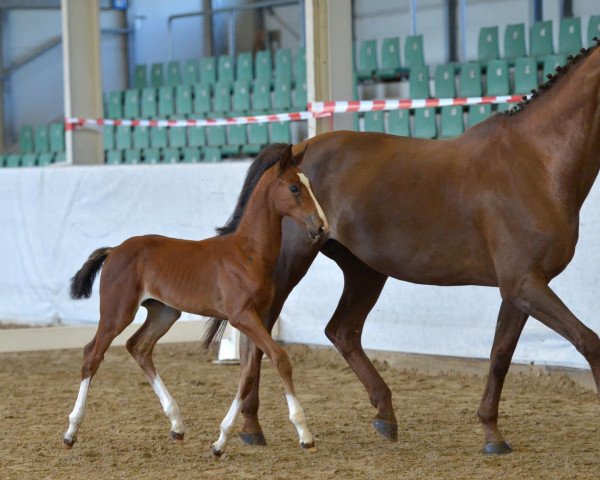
(496,448)
(308,447)
(387,430)
(68,444)
(254,439)
(177,437)
(215,452)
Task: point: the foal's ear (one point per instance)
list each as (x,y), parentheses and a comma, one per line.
(287,159)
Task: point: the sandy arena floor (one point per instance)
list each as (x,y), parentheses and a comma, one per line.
(551,423)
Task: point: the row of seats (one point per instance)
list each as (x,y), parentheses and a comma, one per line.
(391,67)
(42,138)
(210,70)
(31,159)
(203,101)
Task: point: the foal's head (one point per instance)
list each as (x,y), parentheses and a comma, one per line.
(292,195)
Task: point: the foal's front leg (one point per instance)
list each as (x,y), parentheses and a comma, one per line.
(249,323)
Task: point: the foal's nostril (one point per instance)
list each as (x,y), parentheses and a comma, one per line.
(321,230)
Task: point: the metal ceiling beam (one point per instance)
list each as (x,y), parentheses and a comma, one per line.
(41,4)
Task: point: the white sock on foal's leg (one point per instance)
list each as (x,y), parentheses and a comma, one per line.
(227,426)
(299,421)
(76,416)
(170,408)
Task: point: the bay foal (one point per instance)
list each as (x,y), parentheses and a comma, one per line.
(227,277)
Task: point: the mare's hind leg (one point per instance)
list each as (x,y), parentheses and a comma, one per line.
(510,324)
(141,345)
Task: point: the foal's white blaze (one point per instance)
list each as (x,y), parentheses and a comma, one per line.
(298,419)
(169,405)
(306,183)
(76,416)
(227,424)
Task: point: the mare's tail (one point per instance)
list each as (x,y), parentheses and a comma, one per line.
(269,156)
(82,281)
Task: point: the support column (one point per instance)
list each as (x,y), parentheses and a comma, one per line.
(82,78)
(329,59)
(2,96)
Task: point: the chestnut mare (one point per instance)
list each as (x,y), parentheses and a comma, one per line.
(228,277)
(496,206)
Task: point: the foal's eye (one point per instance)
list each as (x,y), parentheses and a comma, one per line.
(294,189)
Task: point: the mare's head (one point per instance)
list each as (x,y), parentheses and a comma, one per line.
(292,195)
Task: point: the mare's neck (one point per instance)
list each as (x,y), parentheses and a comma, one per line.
(563,127)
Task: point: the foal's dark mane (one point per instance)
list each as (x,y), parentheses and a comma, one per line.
(561,71)
(265,160)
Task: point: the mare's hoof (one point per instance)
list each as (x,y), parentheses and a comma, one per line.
(496,448)
(387,430)
(177,437)
(68,444)
(308,447)
(215,452)
(255,439)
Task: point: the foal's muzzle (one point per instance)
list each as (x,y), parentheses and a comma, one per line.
(316,227)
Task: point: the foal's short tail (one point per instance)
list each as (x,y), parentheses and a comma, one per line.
(213,333)
(82,281)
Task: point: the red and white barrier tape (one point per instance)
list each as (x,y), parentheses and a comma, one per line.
(315,110)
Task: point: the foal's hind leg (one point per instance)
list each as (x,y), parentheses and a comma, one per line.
(510,324)
(141,345)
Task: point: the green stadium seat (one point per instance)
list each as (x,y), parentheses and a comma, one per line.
(540,39)
(115,105)
(451,124)
(258,137)
(244,68)
(282,96)
(593,29)
(399,123)
(158,137)
(419,82)
(281,132)
(215,136)
(208,70)
(45,159)
(124,139)
(196,136)
(413,52)
(497,78)
(57,137)
(236,138)
(212,154)
(300,65)
(478,113)
(488,48)
(569,36)
(26,139)
(202,100)
(131,104)
(261,96)
(470,80)
(526,75)
(374,122)
(171,155)
(503,107)
(283,65)
(173,74)
(225,69)
(191,72)
(445,84)
(390,60)
(551,62)
(13,160)
(191,155)
(60,157)
(29,160)
(367,60)
(157,75)
(108,137)
(114,157)
(240,102)
(151,155)
(183,100)
(141,137)
(133,156)
(140,78)
(2,161)
(262,66)
(425,123)
(149,103)
(222,98)
(177,137)
(166,102)
(300,97)
(40,139)
(514,42)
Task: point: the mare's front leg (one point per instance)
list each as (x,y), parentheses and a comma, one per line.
(249,323)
